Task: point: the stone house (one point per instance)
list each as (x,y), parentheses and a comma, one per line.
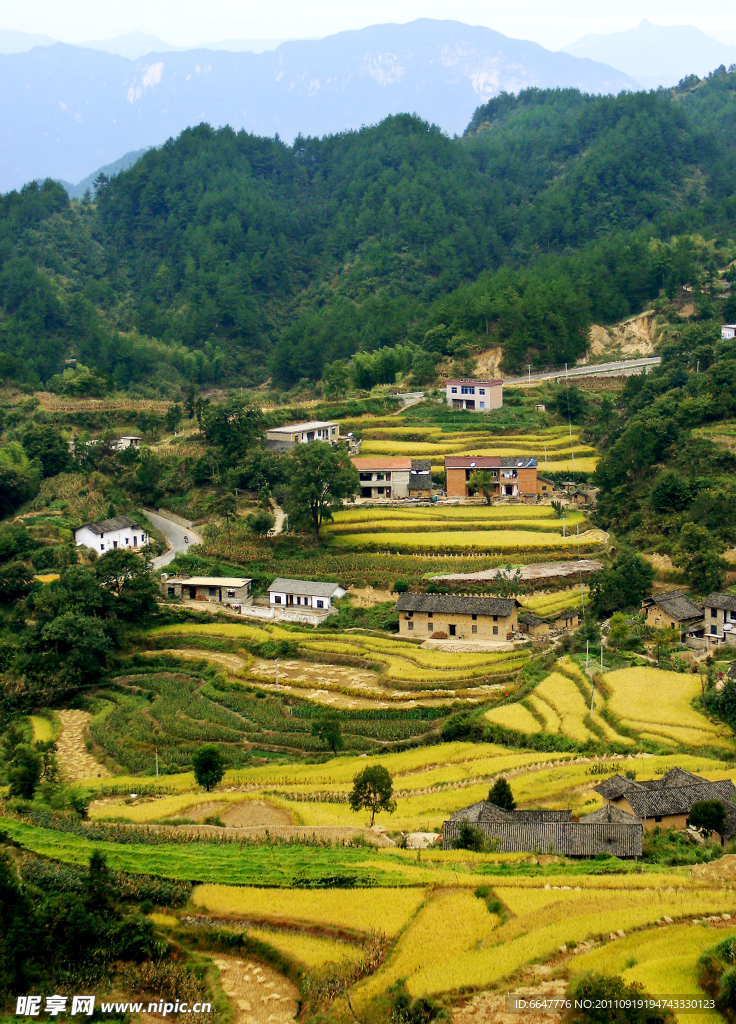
(108,534)
(614,832)
(461,618)
(720,618)
(569,619)
(284,438)
(513,476)
(286,593)
(665,803)
(474,395)
(674,610)
(231,591)
(545,486)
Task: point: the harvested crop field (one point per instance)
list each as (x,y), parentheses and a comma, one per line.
(75,760)
(258,993)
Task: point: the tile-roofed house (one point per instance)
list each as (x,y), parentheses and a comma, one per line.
(720,617)
(533,624)
(613,814)
(514,475)
(674,610)
(286,593)
(616,834)
(468,618)
(383,476)
(665,803)
(108,534)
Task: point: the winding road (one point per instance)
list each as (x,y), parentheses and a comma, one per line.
(174,534)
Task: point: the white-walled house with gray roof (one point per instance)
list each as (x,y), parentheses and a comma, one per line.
(285,593)
(108,534)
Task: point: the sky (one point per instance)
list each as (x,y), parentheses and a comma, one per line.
(553,23)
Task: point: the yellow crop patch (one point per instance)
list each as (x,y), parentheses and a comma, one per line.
(514,716)
(310,950)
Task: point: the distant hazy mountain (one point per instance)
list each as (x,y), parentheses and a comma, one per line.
(240,45)
(65,110)
(657,54)
(20,42)
(133,45)
(77,191)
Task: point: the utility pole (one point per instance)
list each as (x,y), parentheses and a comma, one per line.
(156,764)
(592,695)
(563,527)
(587,654)
(529,368)
(601,655)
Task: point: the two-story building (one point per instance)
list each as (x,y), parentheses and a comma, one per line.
(232,591)
(461,618)
(108,534)
(514,476)
(386,476)
(720,618)
(475,395)
(284,438)
(286,593)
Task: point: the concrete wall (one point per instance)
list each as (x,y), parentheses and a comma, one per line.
(483,627)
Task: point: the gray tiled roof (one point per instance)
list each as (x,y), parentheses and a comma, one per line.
(449,603)
(530,618)
(568,838)
(484,810)
(110,525)
(725,601)
(651,803)
(517,462)
(420,477)
(303,587)
(612,788)
(611,813)
(677,604)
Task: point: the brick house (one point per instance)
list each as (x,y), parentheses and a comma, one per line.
(463,618)
(720,618)
(674,610)
(514,476)
(609,831)
(474,395)
(665,803)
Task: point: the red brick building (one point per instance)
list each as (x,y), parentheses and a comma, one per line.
(515,476)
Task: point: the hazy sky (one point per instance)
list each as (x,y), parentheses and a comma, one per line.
(553,23)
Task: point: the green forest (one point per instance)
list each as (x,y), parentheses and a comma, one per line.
(222,256)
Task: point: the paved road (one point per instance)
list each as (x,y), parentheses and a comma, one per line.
(175,535)
(585,371)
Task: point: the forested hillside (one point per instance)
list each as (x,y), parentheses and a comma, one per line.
(224,256)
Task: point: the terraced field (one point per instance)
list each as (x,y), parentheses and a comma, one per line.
(648,704)
(448,528)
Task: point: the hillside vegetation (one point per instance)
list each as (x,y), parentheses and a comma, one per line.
(223,256)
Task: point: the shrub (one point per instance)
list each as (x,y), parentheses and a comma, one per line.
(602,993)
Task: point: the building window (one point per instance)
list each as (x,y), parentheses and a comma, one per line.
(714,612)
(495,618)
(102,547)
(481,391)
(410,625)
(127,540)
(212,591)
(467,391)
(277,599)
(482,405)
(171,592)
(658,817)
(454,391)
(475,617)
(320,604)
(430,626)
(473,629)
(231,593)
(495,630)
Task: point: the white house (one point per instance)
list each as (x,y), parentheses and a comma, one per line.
(288,593)
(474,395)
(122,532)
(130,441)
(728,332)
(302,433)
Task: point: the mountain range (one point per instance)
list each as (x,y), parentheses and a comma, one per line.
(66,110)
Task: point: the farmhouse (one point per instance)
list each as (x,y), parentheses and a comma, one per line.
(613,833)
(232,591)
(674,610)
(665,803)
(130,441)
(513,476)
(464,618)
(720,618)
(386,476)
(533,625)
(284,438)
(545,486)
(121,532)
(305,593)
(728,332)
(475,395)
